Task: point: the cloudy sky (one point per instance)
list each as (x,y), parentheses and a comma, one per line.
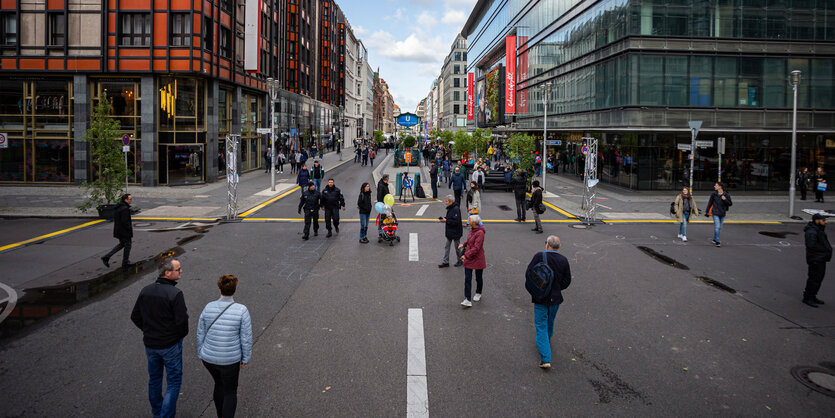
(407,40)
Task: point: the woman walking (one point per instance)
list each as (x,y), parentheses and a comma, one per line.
(474,199)
(279,161)
(224,344)
(303,177)
(473,259)
(820,184)
(364,205)
(684,206)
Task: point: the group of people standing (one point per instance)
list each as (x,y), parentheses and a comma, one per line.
(818,182)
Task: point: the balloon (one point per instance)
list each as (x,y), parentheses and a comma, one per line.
(378,207)
(388,199)
(387,210)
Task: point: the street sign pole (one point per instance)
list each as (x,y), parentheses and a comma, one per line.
(694,131)
(125,150)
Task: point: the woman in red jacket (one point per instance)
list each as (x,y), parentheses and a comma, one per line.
(473,259)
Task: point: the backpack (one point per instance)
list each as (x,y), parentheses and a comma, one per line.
(419,193)
(539,278)
(673,208)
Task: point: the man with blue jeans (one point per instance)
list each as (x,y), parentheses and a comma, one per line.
(717,207)
(545,308)
(160,312)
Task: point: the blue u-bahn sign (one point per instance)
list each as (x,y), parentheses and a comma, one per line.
(408,119)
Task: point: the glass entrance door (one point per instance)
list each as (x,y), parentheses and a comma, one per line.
(185,164)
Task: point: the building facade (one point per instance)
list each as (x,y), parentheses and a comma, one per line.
(353,86)
(177,77)
(454,81)
(368,97)
(633,73)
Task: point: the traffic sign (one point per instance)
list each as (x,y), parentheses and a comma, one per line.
(684,147)
(4,140)
(553,142)
(586,150)
(126,148)
(263,130)
(408,157)
(704,144)
(720,144)
(695,125)
(126,139)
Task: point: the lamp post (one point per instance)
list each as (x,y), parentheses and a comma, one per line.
(272,84)
(546,92)
(794,78)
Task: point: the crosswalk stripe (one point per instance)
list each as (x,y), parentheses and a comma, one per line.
(413,247)
(417,393)
(422,210)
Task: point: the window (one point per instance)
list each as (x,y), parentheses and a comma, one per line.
(226,5)
(57,29)
(180,29)
(456,82)
(455,109)
(457,56)
(135,29)
(208,33)
(8,29)
(456,69)
(225,42)
(456,96)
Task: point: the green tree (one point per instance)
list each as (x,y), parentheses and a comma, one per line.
(520,148)
(463,143)
(409,141)
(105,151)
(378,137)
(479,141)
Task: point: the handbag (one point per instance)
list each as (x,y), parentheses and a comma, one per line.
(821,186)
(213,322)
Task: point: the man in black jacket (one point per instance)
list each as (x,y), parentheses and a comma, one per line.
(717,206)
(311,201)
(545,309)
(160,312)
(433,178)
(536,202)
(520,188)
(332,200)
(453,230)
(818,253)
(122,230)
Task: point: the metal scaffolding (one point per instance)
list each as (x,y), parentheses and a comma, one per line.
(232,142)
(590,180)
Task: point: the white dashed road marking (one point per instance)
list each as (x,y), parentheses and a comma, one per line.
(417,393)
(413,246)
(422,210)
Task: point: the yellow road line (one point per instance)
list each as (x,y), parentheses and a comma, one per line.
(51,235)
(638,221)
(160,218)
(555,208)
(267,203)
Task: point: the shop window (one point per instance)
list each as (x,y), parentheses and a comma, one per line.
(135,29)
(52,160)
(57,29)
(181,104)
(123,101)
(225,42)
(208,33)
(51,105)
(180,29)
(11,161)
(11,104)
(8,29)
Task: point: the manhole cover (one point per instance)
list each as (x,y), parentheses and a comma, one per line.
(815,378)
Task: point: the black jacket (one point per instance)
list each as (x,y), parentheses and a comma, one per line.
(433,173)
(803,180)
(382,190)
(317,172)
(562,276)
(310,201)
(332,198)
(364,202)
(122,226)
(454,228)
(160,312)
(818,249)
(536,199)
(720,207)
(458,182)
(520,185)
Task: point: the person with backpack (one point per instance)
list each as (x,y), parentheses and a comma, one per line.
(547,275)
(683,207)
(371,156)
(536,206)
(717,207)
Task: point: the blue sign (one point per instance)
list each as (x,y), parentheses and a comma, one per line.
(408,119)
(126,139)
(553,142)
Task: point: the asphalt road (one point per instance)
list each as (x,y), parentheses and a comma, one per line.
(635,336)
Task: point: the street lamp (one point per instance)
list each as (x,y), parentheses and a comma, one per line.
(546,92)
(272,84)
(794,78)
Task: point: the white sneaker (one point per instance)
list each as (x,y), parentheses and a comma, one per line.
(684,238)
(477,297)
(679,235)
(467,304)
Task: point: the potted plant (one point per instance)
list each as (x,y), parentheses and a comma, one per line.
(110,172)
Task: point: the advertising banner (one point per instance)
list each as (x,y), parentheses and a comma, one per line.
(510,76)
(523,75)
(470,82)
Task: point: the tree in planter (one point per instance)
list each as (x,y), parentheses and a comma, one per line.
(409,141)
(463,143)
(521,148)
(109,179)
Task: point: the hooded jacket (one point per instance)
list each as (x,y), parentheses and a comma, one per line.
(364,202)
(818,249)
(382,190)
(122,225)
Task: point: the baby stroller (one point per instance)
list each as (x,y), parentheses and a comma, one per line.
(389,223)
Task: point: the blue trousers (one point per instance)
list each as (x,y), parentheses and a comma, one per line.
(717,226)
(543,318)
(171,360)
(363,225)
(317,183)
(682,230)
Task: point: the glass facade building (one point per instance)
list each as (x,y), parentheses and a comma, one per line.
(632,73)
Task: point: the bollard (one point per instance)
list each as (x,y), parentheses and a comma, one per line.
(398,184)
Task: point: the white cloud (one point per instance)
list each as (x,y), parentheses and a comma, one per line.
(427,19)
(414,48)
(453,17)
(430,70)
(360,31)
(398,15)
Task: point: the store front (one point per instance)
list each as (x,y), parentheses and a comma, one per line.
(182,130)
(124,95)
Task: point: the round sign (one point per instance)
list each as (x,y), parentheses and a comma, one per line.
(586,150)
(126,139)
(3,141)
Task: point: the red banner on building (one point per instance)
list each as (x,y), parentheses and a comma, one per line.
(470,85)
(510,76)
(523,75)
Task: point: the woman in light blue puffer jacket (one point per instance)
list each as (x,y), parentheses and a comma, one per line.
(224,344)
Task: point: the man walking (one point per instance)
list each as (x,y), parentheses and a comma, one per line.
(458,183)
(453,230)
(122,230)
(717,207)
(433,178)
(317,173)
(536,202)
(310,202)
(160,312)
(520,188)
(818,253)
(545,308)
(332,200)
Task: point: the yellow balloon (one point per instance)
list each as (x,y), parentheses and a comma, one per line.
(388,199)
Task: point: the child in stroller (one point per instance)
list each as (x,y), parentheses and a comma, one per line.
(389,225)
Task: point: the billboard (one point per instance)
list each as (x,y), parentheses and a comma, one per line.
(490,97)
(523,75)
(470,88)
(510,76)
